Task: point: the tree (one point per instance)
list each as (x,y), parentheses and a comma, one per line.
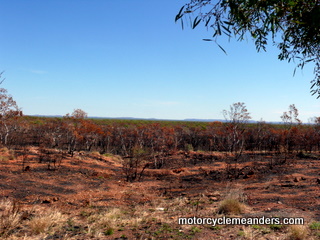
(237,114)
(236,117)
(290,134)
(8,109)
(79,114)
(297,22)
(291,116)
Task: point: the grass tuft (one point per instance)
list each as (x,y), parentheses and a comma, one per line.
(315,226)
(104,223)
(47,222)
(9,217)
(298,232)
(231,206)
(233,202)
(4,150)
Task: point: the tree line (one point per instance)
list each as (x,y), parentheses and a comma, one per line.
(78,133)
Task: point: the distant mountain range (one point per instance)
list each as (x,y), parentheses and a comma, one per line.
(157,119)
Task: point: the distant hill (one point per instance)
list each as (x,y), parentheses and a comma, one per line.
(203,120)
(156,119)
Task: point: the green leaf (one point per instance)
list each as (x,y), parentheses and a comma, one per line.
(228,31)
(207,22)
(309,60)
(222,49)
(178,16)
(229,23)
(196,22)
(312,85)
(181,10)
(218,29)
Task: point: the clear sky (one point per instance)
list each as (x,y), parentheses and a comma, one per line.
(130,59)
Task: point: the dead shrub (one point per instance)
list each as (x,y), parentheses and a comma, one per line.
(134,166)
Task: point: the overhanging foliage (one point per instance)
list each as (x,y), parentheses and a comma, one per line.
(296,22)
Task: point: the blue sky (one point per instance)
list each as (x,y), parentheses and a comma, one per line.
(130,59)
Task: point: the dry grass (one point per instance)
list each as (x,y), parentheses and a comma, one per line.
(104,223)
(145,213)
(4,150)
(246,233)
(9,217)
(233,202)
(177,206)
(4,158)
(116,158)
(298,232)
(230,206)
(113,220)
(95,153)
(6,154)
(107,222)
(46,222)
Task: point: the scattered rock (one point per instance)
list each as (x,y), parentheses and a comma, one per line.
(179,170)
(296,179)
(214,194)
(55,199)
(213,199)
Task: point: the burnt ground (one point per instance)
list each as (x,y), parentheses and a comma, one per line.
(187,185)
